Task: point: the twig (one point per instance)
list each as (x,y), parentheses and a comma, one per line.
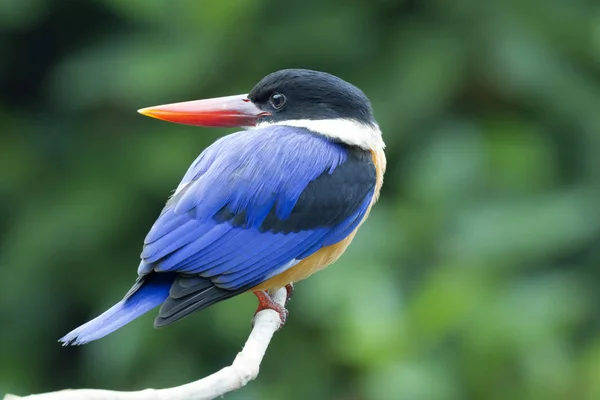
(245,368)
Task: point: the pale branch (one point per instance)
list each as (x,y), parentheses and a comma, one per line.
(244,368)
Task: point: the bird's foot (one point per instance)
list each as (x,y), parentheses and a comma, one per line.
(266,302)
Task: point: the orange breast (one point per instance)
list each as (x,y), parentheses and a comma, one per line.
(326,255)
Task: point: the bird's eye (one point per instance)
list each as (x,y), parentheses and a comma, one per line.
(277,100)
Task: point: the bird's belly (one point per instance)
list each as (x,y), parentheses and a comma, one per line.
(308,266)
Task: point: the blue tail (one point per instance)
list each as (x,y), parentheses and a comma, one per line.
(141,299)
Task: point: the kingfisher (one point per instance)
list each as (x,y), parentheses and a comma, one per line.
(259,209)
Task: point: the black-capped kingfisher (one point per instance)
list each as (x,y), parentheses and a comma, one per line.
(259,209)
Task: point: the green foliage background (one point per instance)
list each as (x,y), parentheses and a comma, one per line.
(476,276)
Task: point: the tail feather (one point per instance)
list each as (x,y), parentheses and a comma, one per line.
(148,295)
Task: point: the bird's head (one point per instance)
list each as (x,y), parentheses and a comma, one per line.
(318,101)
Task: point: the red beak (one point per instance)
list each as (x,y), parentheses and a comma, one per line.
(221,112)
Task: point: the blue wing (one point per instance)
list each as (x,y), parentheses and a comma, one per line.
(252,205)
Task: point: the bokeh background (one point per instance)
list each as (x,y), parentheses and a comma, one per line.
(476,276)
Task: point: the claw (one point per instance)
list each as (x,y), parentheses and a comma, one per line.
(290,292)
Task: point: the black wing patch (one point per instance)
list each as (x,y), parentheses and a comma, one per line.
(326,201)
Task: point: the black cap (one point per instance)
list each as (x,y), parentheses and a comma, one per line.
(292,94)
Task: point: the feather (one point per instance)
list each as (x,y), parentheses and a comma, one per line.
(138,301)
